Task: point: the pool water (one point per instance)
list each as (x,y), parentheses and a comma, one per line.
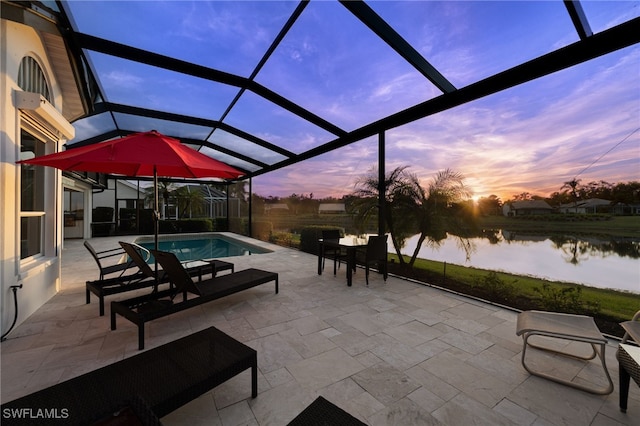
(203,248)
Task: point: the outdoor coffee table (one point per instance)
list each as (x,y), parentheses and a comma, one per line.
(220,265)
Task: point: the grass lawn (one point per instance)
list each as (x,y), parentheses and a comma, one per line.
(519,292)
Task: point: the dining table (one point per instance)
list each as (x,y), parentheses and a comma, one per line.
(350,244)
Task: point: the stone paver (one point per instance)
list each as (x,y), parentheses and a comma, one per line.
(391,353)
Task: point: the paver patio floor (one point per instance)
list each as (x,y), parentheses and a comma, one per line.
(392,353)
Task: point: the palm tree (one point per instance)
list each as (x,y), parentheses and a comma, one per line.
(573,184)
(398,200)
(411,209)
(189,200)
(441,211)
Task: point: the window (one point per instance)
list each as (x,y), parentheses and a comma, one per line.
(33,136)
(31,78)
(73,207)
(32,197)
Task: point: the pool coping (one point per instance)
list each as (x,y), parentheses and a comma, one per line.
(251,243)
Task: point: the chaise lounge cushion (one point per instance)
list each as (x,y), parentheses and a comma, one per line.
(159,304)
(165,378)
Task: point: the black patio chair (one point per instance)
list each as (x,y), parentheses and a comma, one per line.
(375,254)
(334,253)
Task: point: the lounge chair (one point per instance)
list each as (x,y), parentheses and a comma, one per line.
(153,383)
(322,413)
(577,328)
(142,309)
(145,276)
(116,283)
(100,256)
(140,255)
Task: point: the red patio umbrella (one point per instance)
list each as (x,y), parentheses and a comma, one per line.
(139,154)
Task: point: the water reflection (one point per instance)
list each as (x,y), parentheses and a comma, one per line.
(595,261)
(583,247)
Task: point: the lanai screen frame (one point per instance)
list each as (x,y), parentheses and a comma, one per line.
(588,47)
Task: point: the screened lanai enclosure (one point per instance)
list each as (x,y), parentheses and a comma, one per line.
(201,200)
(310,98)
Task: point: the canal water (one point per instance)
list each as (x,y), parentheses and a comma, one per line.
(596,262)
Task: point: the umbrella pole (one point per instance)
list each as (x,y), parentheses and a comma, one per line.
(156,224)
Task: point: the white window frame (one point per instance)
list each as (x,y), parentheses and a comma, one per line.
(34,213)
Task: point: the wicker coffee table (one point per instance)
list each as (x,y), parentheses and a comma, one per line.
(628,358)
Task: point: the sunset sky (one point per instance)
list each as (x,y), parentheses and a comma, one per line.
(581,123)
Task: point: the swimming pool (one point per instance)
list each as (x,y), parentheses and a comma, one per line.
(201,246)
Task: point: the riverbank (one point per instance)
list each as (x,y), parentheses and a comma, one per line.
(614,226)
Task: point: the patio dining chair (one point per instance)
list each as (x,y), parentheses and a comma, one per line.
(374,255)
(334,253)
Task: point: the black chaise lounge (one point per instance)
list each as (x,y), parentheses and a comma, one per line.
(117,281)
(113,268)
(145,276)
(160,380)
(142,309)
(193,267)
(323,413)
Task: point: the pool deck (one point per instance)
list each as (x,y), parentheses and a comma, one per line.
(392,353)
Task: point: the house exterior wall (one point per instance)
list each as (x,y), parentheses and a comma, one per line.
(125,191)
(572,209)
(526,208)
(39,275)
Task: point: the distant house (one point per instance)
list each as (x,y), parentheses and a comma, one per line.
(276,208)
(331,208)
(623,209)
(592,205)
(526,208)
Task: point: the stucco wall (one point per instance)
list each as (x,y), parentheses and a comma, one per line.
(107,197)
(40,277)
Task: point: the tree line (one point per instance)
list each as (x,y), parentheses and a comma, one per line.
(571,192)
